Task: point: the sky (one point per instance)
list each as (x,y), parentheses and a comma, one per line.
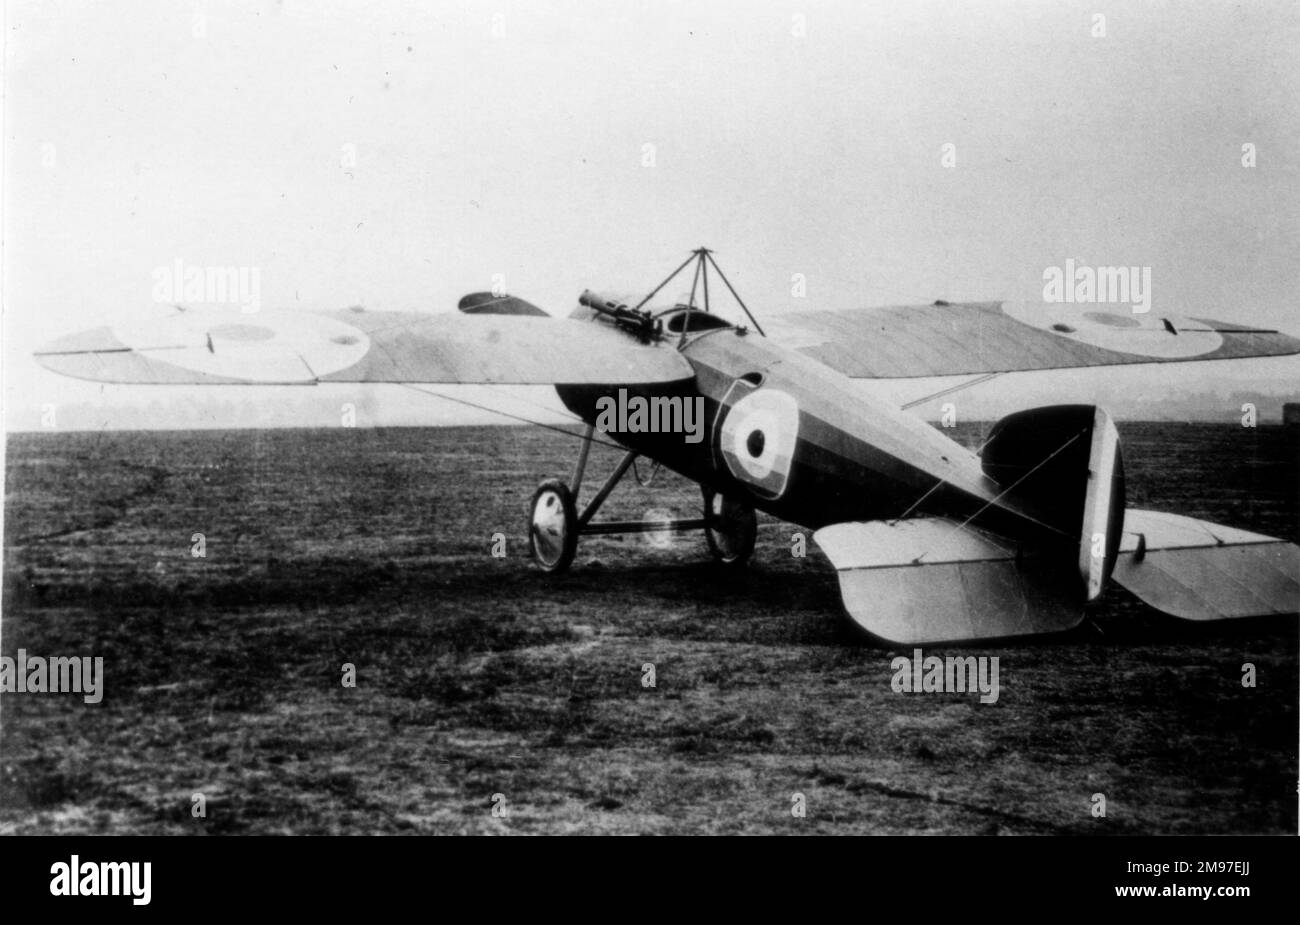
(398,156)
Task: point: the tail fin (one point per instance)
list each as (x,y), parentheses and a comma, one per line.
(1063,463)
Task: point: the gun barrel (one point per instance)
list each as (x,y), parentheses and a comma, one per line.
(600,303)
(640,321)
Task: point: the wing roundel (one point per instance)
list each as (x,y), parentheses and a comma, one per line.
(946,339)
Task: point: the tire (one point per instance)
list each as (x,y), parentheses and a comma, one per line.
(553,527)
(732,529)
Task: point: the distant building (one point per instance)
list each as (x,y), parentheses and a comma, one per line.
(1291,414)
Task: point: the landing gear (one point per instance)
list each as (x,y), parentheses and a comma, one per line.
(553,528)
(730,527)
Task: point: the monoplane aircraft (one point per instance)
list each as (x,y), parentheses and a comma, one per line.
(932,542)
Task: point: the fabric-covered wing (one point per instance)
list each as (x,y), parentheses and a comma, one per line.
(1201,571)
(355,345)
(925,580)
(994,337)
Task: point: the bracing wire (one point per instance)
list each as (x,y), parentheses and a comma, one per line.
(1000,495)
(507,414)
(936,486)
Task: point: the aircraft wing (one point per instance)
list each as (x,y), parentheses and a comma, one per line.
(945,339)
(354,345)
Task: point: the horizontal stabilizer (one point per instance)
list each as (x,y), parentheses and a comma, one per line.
(929,580)
(1201,571)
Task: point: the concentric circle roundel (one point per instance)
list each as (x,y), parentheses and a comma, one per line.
(285,347)
(758,438)
(1117,327)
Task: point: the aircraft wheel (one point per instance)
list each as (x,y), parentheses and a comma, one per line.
(553,526)
(732,530)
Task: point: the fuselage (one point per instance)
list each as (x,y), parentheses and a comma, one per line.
(797,439)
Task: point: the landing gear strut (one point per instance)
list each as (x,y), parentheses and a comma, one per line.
(729,526)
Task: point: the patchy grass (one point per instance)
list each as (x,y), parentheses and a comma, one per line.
(479,676)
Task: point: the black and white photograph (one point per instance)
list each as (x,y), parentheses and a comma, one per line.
(613,418)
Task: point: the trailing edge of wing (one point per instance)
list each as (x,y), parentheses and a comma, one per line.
(926,581)
(993,337)
(213,348)
(1196,570)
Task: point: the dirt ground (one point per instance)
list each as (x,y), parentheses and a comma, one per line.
(483,684)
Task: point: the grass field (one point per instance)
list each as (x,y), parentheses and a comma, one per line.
(479,676)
